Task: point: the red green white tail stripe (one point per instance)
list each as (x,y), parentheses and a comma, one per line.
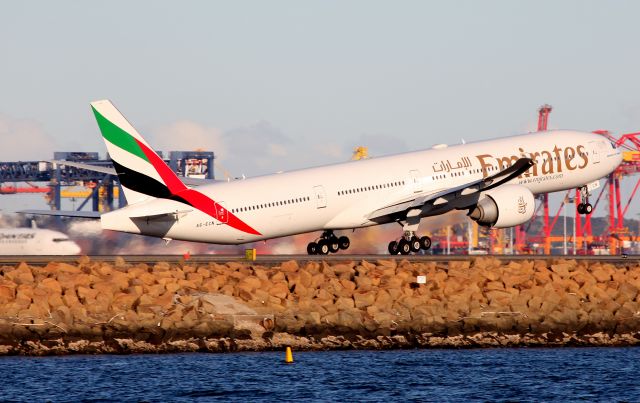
(144,175)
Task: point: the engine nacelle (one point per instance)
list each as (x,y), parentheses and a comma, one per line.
(503,207)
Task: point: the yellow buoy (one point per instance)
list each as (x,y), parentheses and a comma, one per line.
(288,357)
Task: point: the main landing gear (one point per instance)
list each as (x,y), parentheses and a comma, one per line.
(410,242)
(586,207)
(328,243)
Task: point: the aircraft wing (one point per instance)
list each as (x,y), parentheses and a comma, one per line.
(59,213)
(111,171)
(457,198)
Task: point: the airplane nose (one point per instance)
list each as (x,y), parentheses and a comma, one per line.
(75,249)
(619,157)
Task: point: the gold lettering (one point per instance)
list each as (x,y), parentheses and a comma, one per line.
(522,153)
(547,163)
(569,155)
(485,166)
(557,150)
(506,162)
(533,171)
(583,155)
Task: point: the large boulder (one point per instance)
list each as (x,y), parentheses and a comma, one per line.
(279,290)
(363,299)
(7,293)
(21,274)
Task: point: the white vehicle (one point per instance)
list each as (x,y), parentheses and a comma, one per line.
(494,181)
(36,241)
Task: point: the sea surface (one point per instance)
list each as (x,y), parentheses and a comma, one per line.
(519,374)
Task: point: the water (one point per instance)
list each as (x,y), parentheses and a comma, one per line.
(563,374)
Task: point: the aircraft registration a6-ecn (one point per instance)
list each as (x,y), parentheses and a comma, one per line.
(494,180)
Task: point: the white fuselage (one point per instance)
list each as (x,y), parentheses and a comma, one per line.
(342,196)
(36,241)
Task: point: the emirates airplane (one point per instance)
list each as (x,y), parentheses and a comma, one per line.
(494,181)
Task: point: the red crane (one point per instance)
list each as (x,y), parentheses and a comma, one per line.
(630,145)
(543,119)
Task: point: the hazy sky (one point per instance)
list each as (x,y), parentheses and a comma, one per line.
(272,85)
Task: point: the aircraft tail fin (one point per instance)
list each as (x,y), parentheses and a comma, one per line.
(141,172)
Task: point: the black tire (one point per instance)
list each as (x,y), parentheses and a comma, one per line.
(588,208)
(323,248)
(404,247)
(580,208)
(344,242)
(334,246)
(312,248)
(415,244)
(425,242)
(393,248)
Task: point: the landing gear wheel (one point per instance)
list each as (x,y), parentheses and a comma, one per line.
(344,243)
(312,248)
(425,242)
(580,208)
(328,243)
(334,245)
(415,244)
(588,208)
(404,247)
(393,248)
(323,247)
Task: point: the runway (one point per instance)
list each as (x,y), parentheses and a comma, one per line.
(276,259)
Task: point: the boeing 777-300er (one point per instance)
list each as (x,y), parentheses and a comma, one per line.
(494,181)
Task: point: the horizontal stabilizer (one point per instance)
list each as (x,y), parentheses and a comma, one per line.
(88,167)
(58,213)
(163,216)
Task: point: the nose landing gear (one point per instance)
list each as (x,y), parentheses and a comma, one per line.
(585,207)
(328,243)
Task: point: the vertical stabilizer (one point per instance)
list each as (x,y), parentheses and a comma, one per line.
(141,172)
(144,175)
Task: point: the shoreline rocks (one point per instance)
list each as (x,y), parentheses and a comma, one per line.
(96,307)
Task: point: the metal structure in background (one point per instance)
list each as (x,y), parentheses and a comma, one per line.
(59,181)
(583,240)
(193,164)
(617,232)
(521,245)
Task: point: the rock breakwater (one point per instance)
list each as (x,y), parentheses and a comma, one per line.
(97,307)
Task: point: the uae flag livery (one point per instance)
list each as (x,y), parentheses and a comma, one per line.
(143,174)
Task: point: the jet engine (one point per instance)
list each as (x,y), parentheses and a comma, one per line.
(503,207)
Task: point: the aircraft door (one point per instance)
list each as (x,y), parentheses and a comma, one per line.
(320,196)
(222,214)
(416,181)
(596,146)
